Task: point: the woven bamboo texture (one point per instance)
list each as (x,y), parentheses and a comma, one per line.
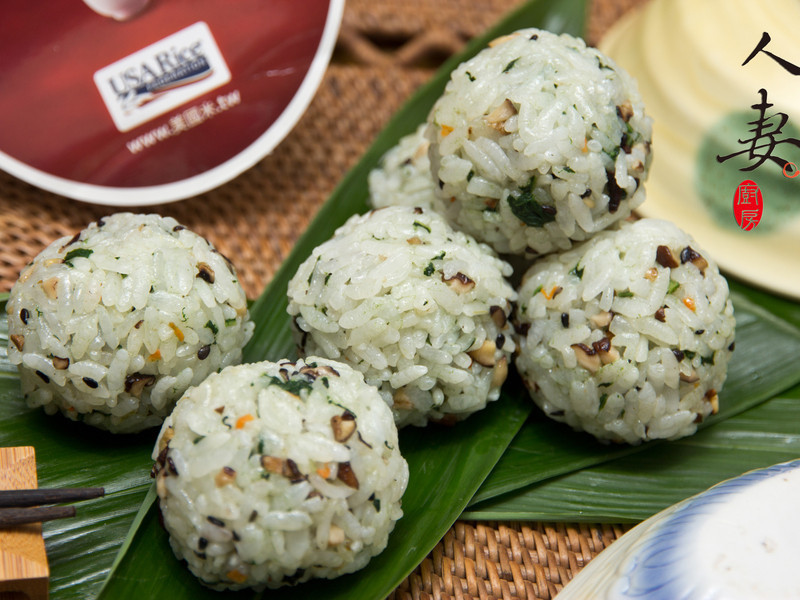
(386,50)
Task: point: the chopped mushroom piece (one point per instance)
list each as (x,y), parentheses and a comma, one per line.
(459,282)
(498,316)
(602,319)
(135,383)
(665,258)
(414,241)
(343,426)
(625,111)
(587,357)
(500,372)
(60,363)
(691,378)
(498,117)
(205,272)
(18,340)
(651,274)
(335,535)
(163,442)
(49,287)
(402,401)
(226,476)
(502,39)
(280,466)
(694,257)
(711,396)
(485,354)
(605,351)
(346,475)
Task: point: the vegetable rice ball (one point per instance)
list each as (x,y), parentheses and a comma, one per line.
(111,326)
(420,309)
(539,141)
(403,177)
(273,473)
(627,336)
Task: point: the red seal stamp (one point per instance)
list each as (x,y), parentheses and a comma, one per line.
(748,205)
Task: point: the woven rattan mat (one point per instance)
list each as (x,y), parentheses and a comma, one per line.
(386,49)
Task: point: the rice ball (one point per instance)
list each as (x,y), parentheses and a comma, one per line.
(627,336)
(273,473)
(421,310)
(539,141)
(111,326)
(403,177)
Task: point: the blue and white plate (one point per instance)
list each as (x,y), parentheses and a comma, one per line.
(738,539)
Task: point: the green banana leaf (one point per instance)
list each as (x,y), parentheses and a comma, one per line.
(635,487)
(763,364)
(91,555)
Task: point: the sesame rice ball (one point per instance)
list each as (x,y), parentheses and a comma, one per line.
(420,309)
(111,326)
(627,336)
(537,142)
(270,474)
(403,177)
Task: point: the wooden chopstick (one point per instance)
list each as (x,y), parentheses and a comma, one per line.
(10,517)
(24,506)
(36,497)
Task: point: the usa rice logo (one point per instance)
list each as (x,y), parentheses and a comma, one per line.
(748,205)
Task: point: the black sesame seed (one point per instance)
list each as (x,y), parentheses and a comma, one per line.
(44,377)
(203,352)
(215,521)
(699,331)
(534,37)
(202,543)
(565,319)
(678,354)
(90,382)
(24,315)
(732,346)
(178,228)
(500,341)
(253,516)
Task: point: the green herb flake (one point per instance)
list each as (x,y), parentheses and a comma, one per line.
(537,290)
(470,76)
(327,277)
(429,270)
(230,322)
(422,226)
(439,256)
(577,272)
(625,294)
(198,439)
(690,354)
(510,65)
(293,386)
(470,175)
(528,210)
(77,252)
(673,285)
(569,169)
(707,360)
(603,399)
(376,502)
(210,325)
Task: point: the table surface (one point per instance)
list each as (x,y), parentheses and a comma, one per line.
(384,52)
